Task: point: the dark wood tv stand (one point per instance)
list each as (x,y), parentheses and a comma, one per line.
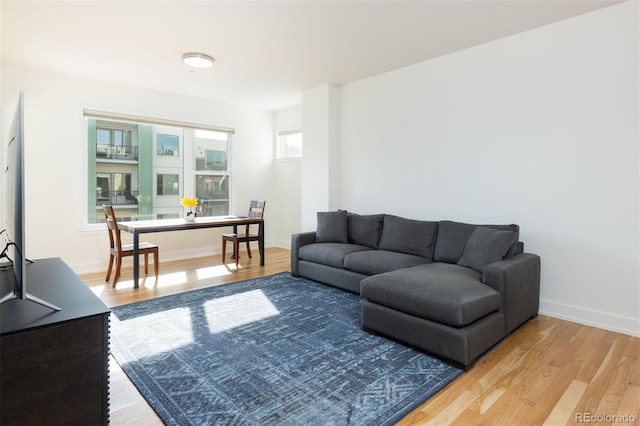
(54,366)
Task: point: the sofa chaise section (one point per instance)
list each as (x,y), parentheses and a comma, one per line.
(449,288)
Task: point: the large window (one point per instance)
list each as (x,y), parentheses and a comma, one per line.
(144,166)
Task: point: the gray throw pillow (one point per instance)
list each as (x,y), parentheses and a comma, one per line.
(364,229)
(332,227)
(452,237)
(408,236)
(486,246)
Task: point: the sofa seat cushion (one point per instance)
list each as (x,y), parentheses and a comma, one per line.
(330,254)
(379,261)
(440,292)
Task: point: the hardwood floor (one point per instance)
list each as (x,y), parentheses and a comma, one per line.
(549,371)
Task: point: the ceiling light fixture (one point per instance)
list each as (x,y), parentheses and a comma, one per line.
(197,60)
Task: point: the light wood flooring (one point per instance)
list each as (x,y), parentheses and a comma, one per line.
(549,371)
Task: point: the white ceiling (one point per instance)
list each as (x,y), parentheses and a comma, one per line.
(266,51)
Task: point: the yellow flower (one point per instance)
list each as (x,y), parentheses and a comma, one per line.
(189,202)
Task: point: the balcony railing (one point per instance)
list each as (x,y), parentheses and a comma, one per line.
(116,152)
(116,198)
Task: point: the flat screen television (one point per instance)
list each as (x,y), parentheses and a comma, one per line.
(14,200)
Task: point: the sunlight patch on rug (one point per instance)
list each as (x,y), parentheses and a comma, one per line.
(229,312)
(179,327)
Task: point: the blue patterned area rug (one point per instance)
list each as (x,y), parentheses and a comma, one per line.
(270,351)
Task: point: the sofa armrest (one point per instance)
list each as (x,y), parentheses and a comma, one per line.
(518,281)
(297,241)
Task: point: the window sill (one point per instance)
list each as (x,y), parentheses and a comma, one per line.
(288,159)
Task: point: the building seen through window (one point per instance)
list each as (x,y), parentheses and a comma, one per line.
(143,169)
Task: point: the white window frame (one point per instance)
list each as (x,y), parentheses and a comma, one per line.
(188,173)
(282,152)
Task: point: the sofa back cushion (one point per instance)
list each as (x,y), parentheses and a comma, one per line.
(364,229)
(453,236)
(332,227)
(408,236)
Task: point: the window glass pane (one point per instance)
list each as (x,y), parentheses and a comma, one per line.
(210,151)
(214,208)
(103,136)
(213,194)
(168,145)
(289,145)
(212,187)
(102,188)
(168,184)
(293,145)
(118,137)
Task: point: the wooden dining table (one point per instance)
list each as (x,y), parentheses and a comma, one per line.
(138,227)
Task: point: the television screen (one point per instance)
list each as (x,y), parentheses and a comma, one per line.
(15,202)
(15,211)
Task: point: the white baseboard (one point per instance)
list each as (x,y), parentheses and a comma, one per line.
(604,320)
(283,244)
(165,256)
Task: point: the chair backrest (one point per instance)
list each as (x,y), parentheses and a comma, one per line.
(256,209)
(112,227)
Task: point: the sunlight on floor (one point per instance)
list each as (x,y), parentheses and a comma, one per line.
(167,280)
(98,290)
(212,272)
(229,312)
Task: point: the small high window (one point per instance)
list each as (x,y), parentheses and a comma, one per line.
(289,144)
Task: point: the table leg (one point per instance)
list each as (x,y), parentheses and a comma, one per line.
(261,236)
(136,259)
(235,231)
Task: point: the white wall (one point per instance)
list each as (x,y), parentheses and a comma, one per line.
(287,203)
(56,161)
(319,174)
(539,129)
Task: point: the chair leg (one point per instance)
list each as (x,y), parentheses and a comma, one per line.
(236,248)
(146,263)
(117,276)
(249,249)
(110,267)
(224,249)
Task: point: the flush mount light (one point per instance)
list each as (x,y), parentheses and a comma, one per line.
(197,60)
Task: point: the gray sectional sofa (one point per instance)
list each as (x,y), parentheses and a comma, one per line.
(449,288)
